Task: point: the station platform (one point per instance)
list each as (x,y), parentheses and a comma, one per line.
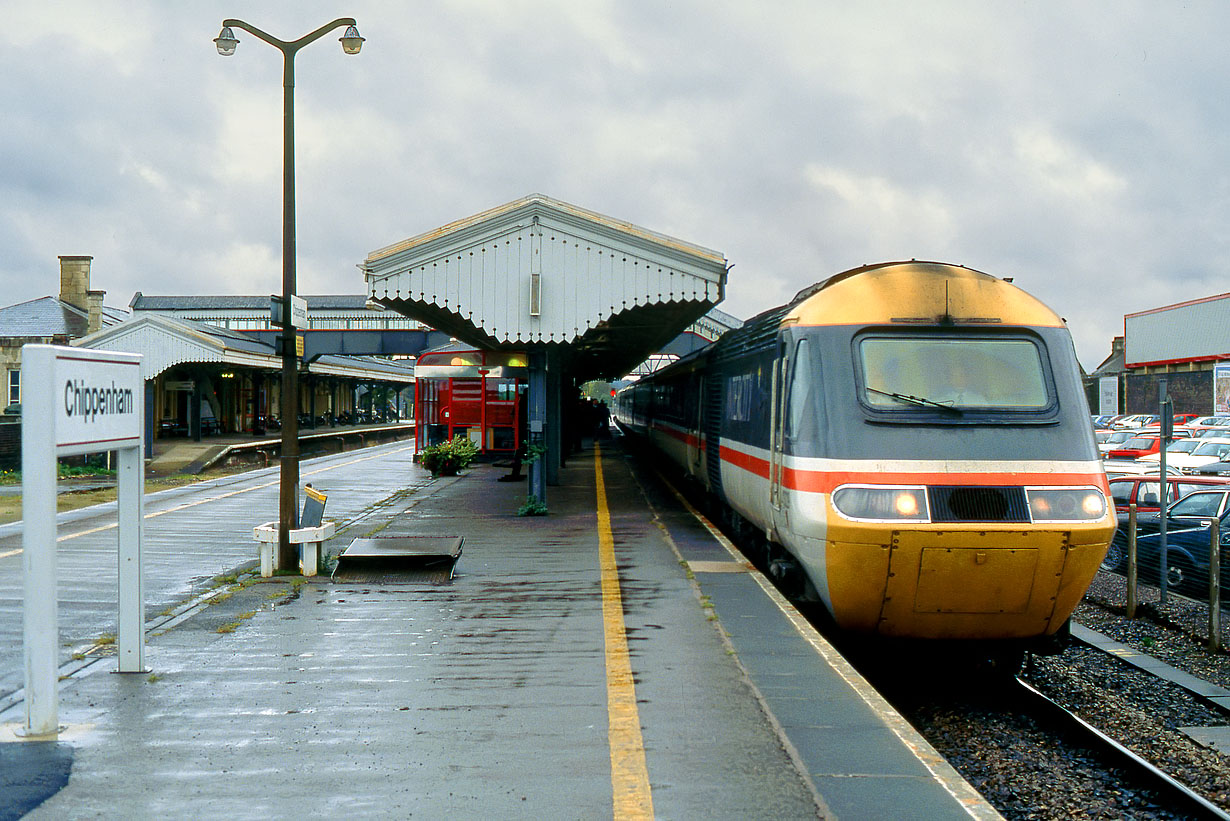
(613,659)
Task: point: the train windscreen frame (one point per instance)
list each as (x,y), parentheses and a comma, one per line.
(954,376)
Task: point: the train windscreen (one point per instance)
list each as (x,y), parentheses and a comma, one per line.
(981,373)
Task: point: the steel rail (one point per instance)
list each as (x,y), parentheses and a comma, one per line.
(1178,796)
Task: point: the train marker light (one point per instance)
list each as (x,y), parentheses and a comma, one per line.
(881,503)
(1066,504)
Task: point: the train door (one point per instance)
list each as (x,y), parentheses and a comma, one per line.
(779,515)
(695,421)
(796,420)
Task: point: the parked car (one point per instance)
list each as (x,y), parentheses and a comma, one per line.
(1145,490)
(1184,445)
(1190,514)
(1184,418)
(1200,423)
(1188,539)
(1137,447)
(1133,467)
(1205,452)
(1136,420)
(1116,438)
(1212,469)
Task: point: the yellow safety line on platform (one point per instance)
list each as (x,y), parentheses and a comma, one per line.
(629,775)
(157,513)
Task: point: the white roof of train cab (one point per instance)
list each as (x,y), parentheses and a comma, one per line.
(537,271)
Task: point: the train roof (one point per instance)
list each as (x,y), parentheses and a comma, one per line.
(909,292)
(915,292)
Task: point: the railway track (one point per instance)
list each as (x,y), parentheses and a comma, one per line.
(1146,777)
(1030,756)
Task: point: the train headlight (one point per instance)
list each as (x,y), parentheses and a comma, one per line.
(872,503)
(1066,504)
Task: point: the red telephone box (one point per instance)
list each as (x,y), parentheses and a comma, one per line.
(460,391)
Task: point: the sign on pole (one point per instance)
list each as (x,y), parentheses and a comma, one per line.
(76,401)
(296,318)
(1108,395)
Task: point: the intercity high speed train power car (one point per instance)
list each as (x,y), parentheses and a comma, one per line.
(913,437)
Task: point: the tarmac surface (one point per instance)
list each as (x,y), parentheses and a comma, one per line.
(502,692)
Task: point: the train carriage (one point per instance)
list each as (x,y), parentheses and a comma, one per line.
(914,436)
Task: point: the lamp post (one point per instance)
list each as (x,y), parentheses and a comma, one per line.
(288,514)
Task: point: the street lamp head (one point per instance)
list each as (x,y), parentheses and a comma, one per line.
(351,41)
(226,42)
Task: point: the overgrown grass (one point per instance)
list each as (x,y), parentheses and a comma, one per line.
(63,471)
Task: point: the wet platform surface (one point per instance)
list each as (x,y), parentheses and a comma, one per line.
(497,693)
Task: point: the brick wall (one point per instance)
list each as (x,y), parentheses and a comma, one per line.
(1192,392)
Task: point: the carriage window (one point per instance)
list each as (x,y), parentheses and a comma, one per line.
(979,374)
(803,402)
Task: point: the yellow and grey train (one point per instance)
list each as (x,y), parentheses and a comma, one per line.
(913,438)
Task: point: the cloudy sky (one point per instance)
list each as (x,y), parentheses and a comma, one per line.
(1079,147)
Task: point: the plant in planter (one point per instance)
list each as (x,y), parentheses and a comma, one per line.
(448,457)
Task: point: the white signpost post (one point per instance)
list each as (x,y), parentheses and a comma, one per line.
(76,401)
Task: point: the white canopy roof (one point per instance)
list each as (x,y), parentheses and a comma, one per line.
(539,271)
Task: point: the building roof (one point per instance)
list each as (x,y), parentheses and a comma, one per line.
(165,341)
(1195,330)
(48,317)
(537,271)
(1113,364)
(236,302)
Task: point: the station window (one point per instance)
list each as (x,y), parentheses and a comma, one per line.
(14,385)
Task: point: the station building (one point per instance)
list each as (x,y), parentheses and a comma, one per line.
(1187,344)
(582,295)
(49,320)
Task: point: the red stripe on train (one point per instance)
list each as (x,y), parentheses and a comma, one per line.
(822,481)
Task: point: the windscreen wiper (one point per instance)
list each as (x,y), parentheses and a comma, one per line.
(916,400)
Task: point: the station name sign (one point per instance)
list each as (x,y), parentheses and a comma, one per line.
(88,402)
(96,397)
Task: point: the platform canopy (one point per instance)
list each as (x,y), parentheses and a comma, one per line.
(540,272)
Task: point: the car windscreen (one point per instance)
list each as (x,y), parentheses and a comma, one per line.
(980,373)
(1197,504)
(1217,449)
(1138,443)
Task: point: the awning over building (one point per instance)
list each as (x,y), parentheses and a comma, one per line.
(165,342)
(540,272)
